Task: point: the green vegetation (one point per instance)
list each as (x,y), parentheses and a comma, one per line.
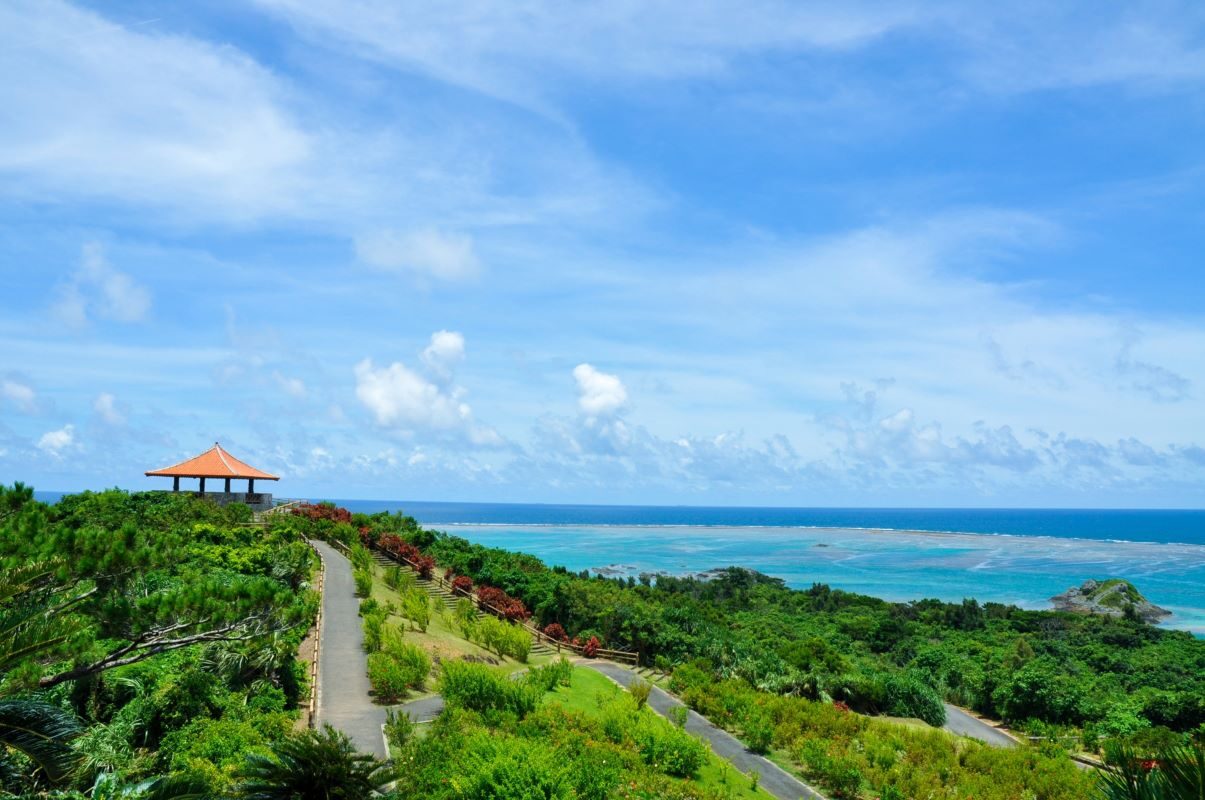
(148,648)
(851,755)
(1106,676)
(557,733)
(144,636)
(315,765)
(1127,594)
(495,635)
(790,665)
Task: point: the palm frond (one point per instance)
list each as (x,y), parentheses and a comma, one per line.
(43,733)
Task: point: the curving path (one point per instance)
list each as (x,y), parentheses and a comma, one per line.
(963,724)
(773,778)
(343,699)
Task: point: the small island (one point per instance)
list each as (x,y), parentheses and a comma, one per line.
(1114,597)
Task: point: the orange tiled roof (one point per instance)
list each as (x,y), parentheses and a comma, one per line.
(213,463)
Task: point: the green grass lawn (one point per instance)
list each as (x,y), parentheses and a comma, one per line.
(589,690)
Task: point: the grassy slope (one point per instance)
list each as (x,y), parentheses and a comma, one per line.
(589,690)
(441,640)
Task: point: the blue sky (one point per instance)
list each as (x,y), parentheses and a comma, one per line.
(849,253)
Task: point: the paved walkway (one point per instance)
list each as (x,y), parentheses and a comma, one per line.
(773,778)
(962,723)
(343,699)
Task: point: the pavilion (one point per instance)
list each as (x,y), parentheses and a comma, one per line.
(217,463)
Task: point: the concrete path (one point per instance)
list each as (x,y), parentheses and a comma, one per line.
(963,724)
(773,778)
(343,699)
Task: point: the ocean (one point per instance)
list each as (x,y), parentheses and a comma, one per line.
(1014,556)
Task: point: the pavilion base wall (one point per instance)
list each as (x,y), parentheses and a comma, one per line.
(259,501)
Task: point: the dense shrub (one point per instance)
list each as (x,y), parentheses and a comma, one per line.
(462,584)
(322,511)
(389,679)
(501,603)
(907,695)
(670,749)
(553,630)
(640,690)
(551,675)
(493,634)
(416,607)
(480,688)
(414,661)
(363,579)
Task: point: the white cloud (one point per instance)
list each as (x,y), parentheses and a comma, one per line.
(516,55)
(20,395)
(102,110)
(97,288)
(398,396)
(105,406)
(445,351)
(55,442)
(425,252)
(599,394)
(529,57)
(403,400)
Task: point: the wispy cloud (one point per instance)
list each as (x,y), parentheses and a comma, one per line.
(96,288)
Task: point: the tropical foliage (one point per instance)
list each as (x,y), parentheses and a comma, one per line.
(147,641)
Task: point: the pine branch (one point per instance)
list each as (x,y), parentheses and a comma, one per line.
(162,640)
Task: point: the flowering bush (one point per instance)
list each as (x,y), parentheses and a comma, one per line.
(319,511)
(462,584)
(553,630)
(398,547)
(509,607)
(590,649)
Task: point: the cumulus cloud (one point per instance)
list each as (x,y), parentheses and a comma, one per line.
(55,442)
(425,252)
(599,394)
(404,400)
(20,395)
(444,353)
(97,288)
(105,406)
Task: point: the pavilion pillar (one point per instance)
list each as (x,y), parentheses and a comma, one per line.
(202,486)
(176,483)
(227,486)
(251,486)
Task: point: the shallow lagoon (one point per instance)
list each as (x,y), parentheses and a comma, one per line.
(896,565)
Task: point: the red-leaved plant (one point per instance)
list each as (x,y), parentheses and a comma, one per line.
(500,602)
(553,630)
(317,511)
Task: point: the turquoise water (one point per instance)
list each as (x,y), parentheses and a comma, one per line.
(895,565)
(1005,555)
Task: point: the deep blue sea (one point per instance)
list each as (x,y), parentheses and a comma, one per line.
(1005,555)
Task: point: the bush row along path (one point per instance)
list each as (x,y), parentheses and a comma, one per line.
(343,699)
